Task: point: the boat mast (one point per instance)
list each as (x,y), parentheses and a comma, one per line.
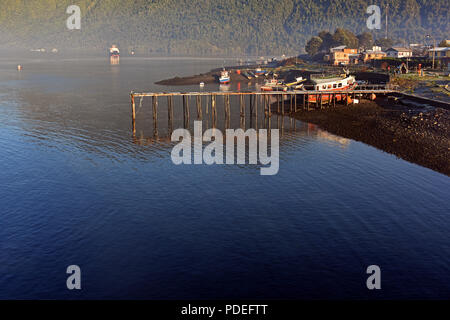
(387,12)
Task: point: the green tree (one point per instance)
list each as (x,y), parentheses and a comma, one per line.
(313,45)
(444,43)
(212,27)
(365,40)
(345,37)
(384,43)
(327,40)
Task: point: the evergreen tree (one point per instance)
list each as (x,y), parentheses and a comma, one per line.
(313,45)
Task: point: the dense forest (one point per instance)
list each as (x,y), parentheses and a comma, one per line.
(211,27)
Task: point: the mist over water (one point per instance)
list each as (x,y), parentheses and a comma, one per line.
(76,188)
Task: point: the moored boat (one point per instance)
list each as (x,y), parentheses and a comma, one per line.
(332,87)
(259,71)
(224,77)
(296,84)
(245,74)
(271,84)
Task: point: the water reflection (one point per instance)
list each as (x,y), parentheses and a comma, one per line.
(114,60)
(78,185)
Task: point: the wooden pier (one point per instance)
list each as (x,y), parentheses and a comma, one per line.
(258,103)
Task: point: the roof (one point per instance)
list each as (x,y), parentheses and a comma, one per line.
(399,49)
(338,48)
(376,52)
(440,49)
(325,80)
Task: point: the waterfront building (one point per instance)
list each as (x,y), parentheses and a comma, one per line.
(374,54)
(399,52)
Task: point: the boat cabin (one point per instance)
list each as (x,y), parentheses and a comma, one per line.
(330,84)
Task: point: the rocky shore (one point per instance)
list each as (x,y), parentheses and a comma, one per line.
(418,135)
(209,77)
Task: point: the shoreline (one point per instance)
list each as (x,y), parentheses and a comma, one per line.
(208,77)
(413,134)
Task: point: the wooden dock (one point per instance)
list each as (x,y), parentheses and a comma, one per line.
(268,102)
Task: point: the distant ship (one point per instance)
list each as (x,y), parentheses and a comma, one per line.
(114,51)
(224,77)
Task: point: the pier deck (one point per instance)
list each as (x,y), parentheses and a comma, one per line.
(281,101)
(268,102)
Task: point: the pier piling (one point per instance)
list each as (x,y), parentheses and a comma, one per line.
(267,100)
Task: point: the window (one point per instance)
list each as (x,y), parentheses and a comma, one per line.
(340,85)
(329,86)
(334,85)
(317,88)
(324,87)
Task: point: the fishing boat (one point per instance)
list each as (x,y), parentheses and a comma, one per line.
(259,71)
(331,86)
(296,84)
(224,77)
(245,74)
(272,85)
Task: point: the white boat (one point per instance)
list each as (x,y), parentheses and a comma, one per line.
(333,86)
(224,77)
(271,85)
(114,51)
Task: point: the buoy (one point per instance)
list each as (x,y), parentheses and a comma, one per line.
(19,67)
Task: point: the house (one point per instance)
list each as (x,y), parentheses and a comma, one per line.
(344,49)
(373,54)
(376,48)
(439,52)
(399,52)
(442,55)
(342,55)
(339,58)
(338,49)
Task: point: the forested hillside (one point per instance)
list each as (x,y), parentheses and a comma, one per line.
(210,27)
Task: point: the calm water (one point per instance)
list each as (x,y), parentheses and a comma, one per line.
(75,189)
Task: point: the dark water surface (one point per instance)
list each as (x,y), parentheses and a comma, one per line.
(75,189)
